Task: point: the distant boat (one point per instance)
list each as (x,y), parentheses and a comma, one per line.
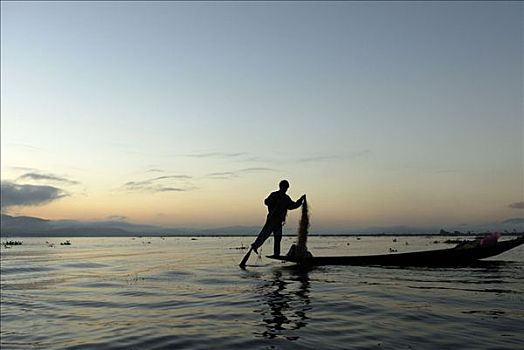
(65,243)
(462,254)
(8,244)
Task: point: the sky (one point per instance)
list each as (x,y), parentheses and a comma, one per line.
(188,114)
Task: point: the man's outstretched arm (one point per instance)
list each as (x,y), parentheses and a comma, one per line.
(298,203)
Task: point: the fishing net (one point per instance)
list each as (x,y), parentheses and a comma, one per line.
(303,227)
(299,250)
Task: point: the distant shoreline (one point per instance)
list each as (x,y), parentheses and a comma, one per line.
(26,226)
(451,234)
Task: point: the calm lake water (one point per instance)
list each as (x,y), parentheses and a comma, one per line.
(188,293)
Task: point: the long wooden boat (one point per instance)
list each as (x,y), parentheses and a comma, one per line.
(459,255)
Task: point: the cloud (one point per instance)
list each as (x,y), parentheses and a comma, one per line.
(515,221)
(236,173)
(150,182)
(252,170)
(517,205)
(222,175)
(328,157)
(172,177)
(317,159)
(158,184)
(47,177)
(217,155)
(25,146)
(28,195)
(117,217)
(279,159)
(171,189)
(23,168)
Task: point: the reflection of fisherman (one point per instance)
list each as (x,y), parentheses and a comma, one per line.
(288,301)
(278,204)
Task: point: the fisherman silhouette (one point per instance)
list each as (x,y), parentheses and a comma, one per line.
(278,204)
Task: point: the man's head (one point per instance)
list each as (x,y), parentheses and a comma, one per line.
(283,185)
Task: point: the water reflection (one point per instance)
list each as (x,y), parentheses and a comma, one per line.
(286,295)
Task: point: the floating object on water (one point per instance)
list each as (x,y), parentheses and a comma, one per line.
(8,244)
(454,241)
(65,243)
(242,247)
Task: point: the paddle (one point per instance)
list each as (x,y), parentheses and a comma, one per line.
(245,259)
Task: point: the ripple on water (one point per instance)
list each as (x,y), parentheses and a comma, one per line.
(83,265)
(97,285)
(26,270)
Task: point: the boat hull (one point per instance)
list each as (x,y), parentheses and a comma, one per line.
(442,257)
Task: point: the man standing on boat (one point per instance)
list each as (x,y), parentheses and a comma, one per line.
(278,203)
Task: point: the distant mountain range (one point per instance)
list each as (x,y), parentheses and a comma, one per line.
(32,226)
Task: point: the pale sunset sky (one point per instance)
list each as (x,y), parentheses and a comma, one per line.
(189,113)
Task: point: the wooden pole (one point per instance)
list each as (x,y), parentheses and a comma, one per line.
(245,259)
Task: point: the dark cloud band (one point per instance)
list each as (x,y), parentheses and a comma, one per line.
(28,195)
(517,205)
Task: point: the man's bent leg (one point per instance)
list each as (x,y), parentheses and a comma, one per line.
(262,236)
